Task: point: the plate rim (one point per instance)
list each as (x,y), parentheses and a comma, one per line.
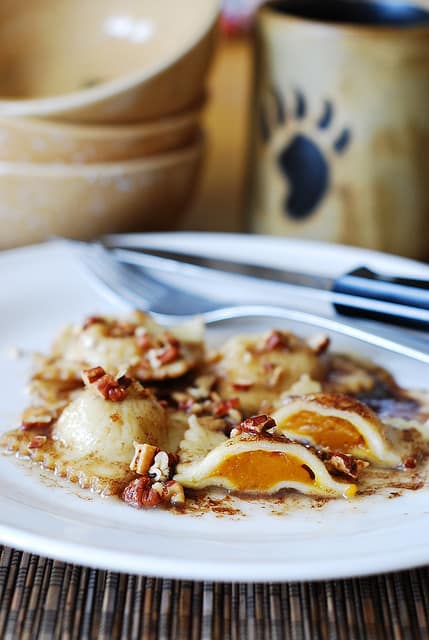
(68,552)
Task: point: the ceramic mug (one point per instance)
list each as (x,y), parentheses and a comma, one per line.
(341,129)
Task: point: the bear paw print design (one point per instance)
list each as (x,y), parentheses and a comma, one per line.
(300,159)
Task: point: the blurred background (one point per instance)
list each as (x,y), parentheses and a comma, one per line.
(297,118)
(387,207)
(220,202)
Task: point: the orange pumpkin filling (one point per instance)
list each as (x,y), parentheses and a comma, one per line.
(262,470)
(328,431)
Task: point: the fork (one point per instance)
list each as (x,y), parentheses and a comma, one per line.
(170,304)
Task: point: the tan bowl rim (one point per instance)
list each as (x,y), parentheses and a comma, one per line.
(78,99)
(105,169)
(266,12)
(151,127)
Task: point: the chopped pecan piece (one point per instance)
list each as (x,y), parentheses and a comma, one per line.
(258,424)
(144,455)
(37,442)
(186,404)
(347,465)
(173,493)
(105,385)
(410,462)
(160,469)
(223,407)
(121,330)
(276,340)
(140,493)
(170,353)
(319,343)
(144,492)
(89,376)
(255,424)
(275,376)
(124,381)
(109,389)
(36,418)
(143,338)
(93,320)
(163,466)
(242,385)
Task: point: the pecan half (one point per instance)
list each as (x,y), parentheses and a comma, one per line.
(144,492)
(140,493)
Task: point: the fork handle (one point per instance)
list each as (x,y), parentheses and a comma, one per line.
(364,283)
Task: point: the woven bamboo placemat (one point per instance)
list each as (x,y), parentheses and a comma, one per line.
(41,598)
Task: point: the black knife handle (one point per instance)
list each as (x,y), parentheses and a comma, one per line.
(362,282)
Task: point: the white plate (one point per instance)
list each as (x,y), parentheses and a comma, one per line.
(43,288)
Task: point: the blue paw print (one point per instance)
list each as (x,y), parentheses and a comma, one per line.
(300,158)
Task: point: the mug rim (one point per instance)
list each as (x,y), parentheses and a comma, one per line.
(268,9)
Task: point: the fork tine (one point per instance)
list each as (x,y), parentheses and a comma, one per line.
(138,288)
(112,278)
(170,304)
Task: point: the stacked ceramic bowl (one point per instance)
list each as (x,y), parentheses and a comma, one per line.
(100,114)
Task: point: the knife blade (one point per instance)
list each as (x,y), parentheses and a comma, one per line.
(359,293)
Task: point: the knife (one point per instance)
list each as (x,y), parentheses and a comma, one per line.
(359,293)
